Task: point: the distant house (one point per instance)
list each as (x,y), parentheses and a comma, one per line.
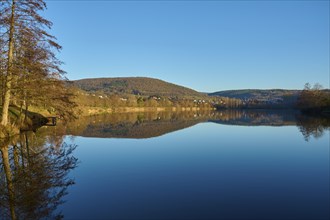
(154,97)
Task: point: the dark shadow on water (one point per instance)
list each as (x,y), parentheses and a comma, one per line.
(34,176)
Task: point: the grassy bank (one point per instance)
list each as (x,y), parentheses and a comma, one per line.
(21,120)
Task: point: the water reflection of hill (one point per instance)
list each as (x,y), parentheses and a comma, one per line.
(309,125)
(134,125)
(255,117)
(153,124)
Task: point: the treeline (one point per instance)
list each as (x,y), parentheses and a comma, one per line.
(314,99)
(238,103)
(310,99)
(30,73)
(226,102)
(86,99)
(105,100)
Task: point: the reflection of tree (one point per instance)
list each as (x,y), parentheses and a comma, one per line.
(34,178)
(312,125)
(308,124)
(8,179)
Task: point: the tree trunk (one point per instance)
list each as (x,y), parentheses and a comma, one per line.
(9,76)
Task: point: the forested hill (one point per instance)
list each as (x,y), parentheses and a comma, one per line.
(136,86)
(259,94)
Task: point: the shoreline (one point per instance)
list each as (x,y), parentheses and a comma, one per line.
(98,110)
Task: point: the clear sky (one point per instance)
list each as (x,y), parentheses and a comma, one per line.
(205,45)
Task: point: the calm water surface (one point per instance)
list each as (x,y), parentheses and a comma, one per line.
(218,167)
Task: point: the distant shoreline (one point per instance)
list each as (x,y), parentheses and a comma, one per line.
(86,111)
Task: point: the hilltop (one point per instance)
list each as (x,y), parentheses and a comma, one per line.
(135,86)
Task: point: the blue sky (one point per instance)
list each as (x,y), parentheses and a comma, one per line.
(205,45)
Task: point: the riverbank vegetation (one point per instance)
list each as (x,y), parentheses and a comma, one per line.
(30,73)
(130,94)
(314,99)
(309,100)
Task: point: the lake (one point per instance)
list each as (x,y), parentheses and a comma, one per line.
(238,164)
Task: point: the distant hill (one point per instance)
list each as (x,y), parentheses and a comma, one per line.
(135,85)
(258,94)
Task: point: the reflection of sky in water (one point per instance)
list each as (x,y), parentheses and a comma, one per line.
(206,171)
